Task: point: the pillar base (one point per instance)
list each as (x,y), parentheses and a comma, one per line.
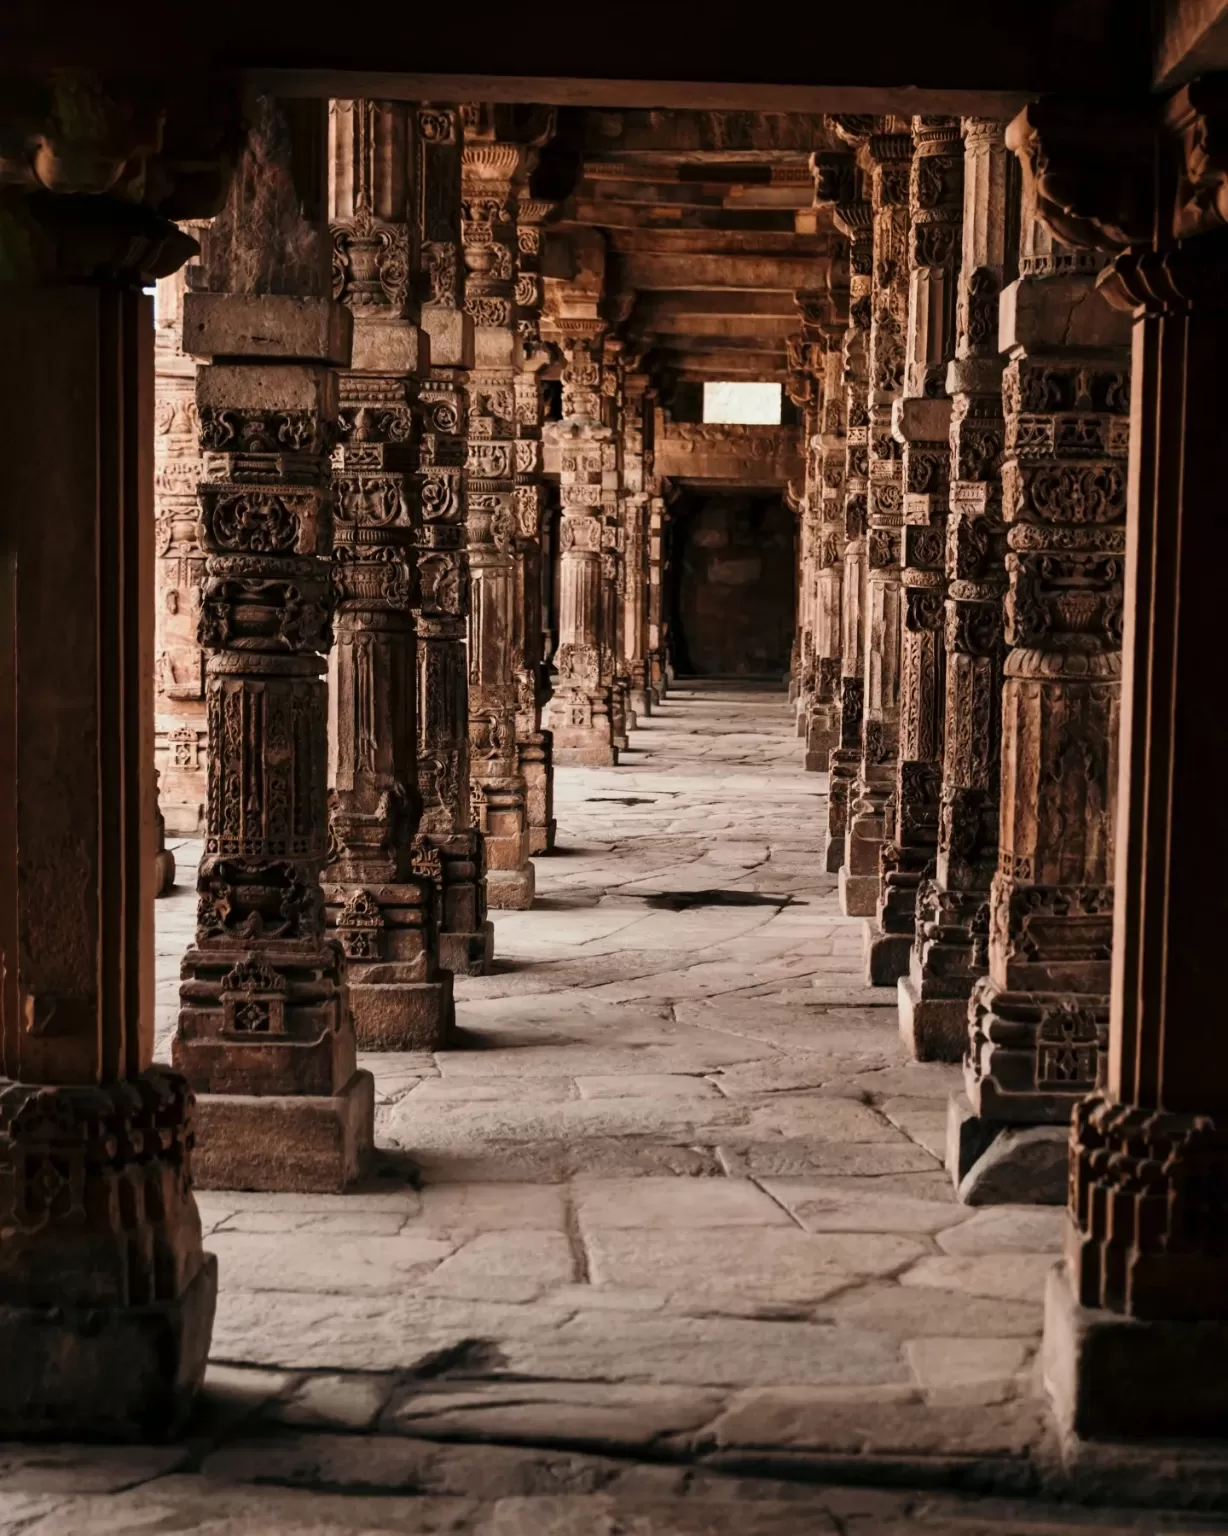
(510,890)
(1108,1375)
(596,754)
(886,955)
(281,1143)
(541,839)
(995,1164)
(402,1015)
(164,872)
(833,853)
(858,893)
(641,703)
(932,1028)
(468,954)
(106,1373)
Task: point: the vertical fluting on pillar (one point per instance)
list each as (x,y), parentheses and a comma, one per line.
(950,949)
(921,422)
(179,663)
(580,707)
(106,1296)
(380,899)
(451,849)
(492,173)
(838,181)
(887,154)
(1037,1023)
(534,745)
(265,1034)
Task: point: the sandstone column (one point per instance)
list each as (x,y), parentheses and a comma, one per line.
(637,481)
(950,950)
(887,153)
(803,386)
(265,1034)
(1136,1328)
(837,181)
(492,171)
(580,708)
(921,421)
(381,910)
(613,538)
(179,662)
(657,515)
(827,467)
(451,850)
(106,1297)
(534,745)
(1037,1022)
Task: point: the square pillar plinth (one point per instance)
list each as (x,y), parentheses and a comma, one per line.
(1109,1376)
(285,1143)
(106,1373)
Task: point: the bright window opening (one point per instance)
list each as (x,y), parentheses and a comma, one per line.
(742,404)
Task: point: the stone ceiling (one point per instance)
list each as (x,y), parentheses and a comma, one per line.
(708,232)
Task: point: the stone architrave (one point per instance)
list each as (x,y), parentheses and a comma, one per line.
(449,848)
(265,1035)
(382,912)
(580,708)
(1038,1022)
(950,950)
(837,184)
(179,662)
(493,171)
(887,154)
(534,744)
(921,421)
(1136,1325)
(106,1294)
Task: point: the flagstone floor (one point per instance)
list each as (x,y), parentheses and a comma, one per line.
(659,1244)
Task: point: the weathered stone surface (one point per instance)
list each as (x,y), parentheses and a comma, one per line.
(652,1203)
(820,1208)
(960,1370)
(1007,1276)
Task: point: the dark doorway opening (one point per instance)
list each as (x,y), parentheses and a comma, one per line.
(733,586)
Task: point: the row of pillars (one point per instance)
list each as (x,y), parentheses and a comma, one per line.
(1008,402)
(351,503)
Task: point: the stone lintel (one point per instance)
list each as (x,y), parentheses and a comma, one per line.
(272,325)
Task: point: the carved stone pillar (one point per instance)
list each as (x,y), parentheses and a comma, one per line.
(491,174)
(580,708)
(106,1297)
(951,946)
(1136,1327)
(382,911)
(613,539)
(451,850)
(828,452)
(921,421)
(534,745)
(854,219)
(637,480)
(1038,1021)
(887,156)
(265,1035)
(657,515)
(179,662)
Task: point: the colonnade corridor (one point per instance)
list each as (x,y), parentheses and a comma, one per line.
(661,1242)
